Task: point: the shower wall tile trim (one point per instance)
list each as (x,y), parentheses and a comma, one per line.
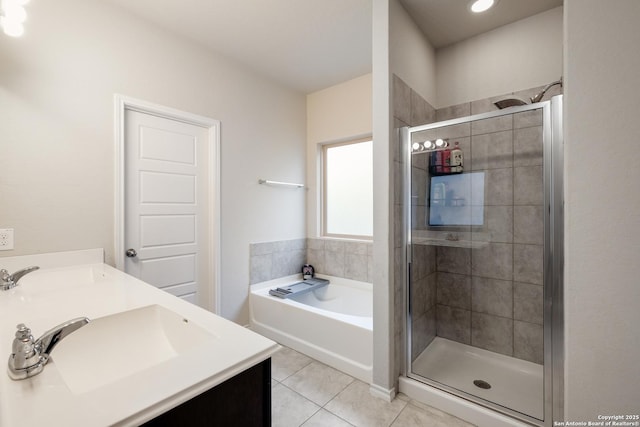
(340,258)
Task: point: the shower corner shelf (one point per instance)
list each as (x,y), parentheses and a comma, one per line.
(470,244)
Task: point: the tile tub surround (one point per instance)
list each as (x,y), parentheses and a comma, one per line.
(308,393)
(348,259)
(271,260)
(491,297)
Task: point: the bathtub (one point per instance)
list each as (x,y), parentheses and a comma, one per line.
(333,324)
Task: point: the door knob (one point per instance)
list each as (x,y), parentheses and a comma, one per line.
(131,253)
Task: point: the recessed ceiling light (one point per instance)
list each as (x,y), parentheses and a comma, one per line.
(481,5)
(12,16)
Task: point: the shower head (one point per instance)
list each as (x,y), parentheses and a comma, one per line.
(539,96)
(514,101)
(510,102)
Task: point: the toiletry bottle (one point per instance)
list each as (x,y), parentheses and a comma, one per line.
(432,162)
(436,162)
(456,159)
(446,160)
(308,271)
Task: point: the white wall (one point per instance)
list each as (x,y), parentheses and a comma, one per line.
(57,146)
(518,56)
(602,207)
(335,114)
(346,110)
(383,351)
(412,58)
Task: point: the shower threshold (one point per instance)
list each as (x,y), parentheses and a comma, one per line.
(513,383)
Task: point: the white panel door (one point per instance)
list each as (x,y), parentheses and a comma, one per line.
(166,206)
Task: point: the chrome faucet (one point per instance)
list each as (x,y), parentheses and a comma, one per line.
(8,281)
(28,356)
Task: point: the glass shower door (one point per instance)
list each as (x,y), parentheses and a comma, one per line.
(479,254)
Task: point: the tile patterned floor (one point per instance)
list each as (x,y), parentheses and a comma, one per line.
(308,393)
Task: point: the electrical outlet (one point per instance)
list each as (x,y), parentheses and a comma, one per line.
(6,239)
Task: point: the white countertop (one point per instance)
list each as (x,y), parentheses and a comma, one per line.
(93,289)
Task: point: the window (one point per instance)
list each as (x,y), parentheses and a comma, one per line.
(348,189)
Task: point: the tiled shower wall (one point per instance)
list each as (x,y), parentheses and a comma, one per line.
(490,297)
(339,258)
(410,109)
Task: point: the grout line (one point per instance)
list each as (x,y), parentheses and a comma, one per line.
(310,416)
(513,245)
(406,403)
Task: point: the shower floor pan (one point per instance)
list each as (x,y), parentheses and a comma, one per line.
(515,384)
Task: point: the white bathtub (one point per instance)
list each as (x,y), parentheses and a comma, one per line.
(333,324)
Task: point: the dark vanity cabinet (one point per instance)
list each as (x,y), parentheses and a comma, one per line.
(243,400)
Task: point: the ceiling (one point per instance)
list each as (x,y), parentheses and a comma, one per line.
(445,22)
(306,45)
(309,45)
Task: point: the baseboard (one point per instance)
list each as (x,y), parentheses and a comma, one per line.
(380,392)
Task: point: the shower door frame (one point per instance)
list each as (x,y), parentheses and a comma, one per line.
(553,316)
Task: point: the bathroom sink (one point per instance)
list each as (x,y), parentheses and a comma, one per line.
(115,347)
(61,278)
(90,286)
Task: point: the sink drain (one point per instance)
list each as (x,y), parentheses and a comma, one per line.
(482,384)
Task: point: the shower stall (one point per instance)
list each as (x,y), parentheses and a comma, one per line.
(483,281)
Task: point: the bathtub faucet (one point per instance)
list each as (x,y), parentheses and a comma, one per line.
(29,356)
(8,281)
